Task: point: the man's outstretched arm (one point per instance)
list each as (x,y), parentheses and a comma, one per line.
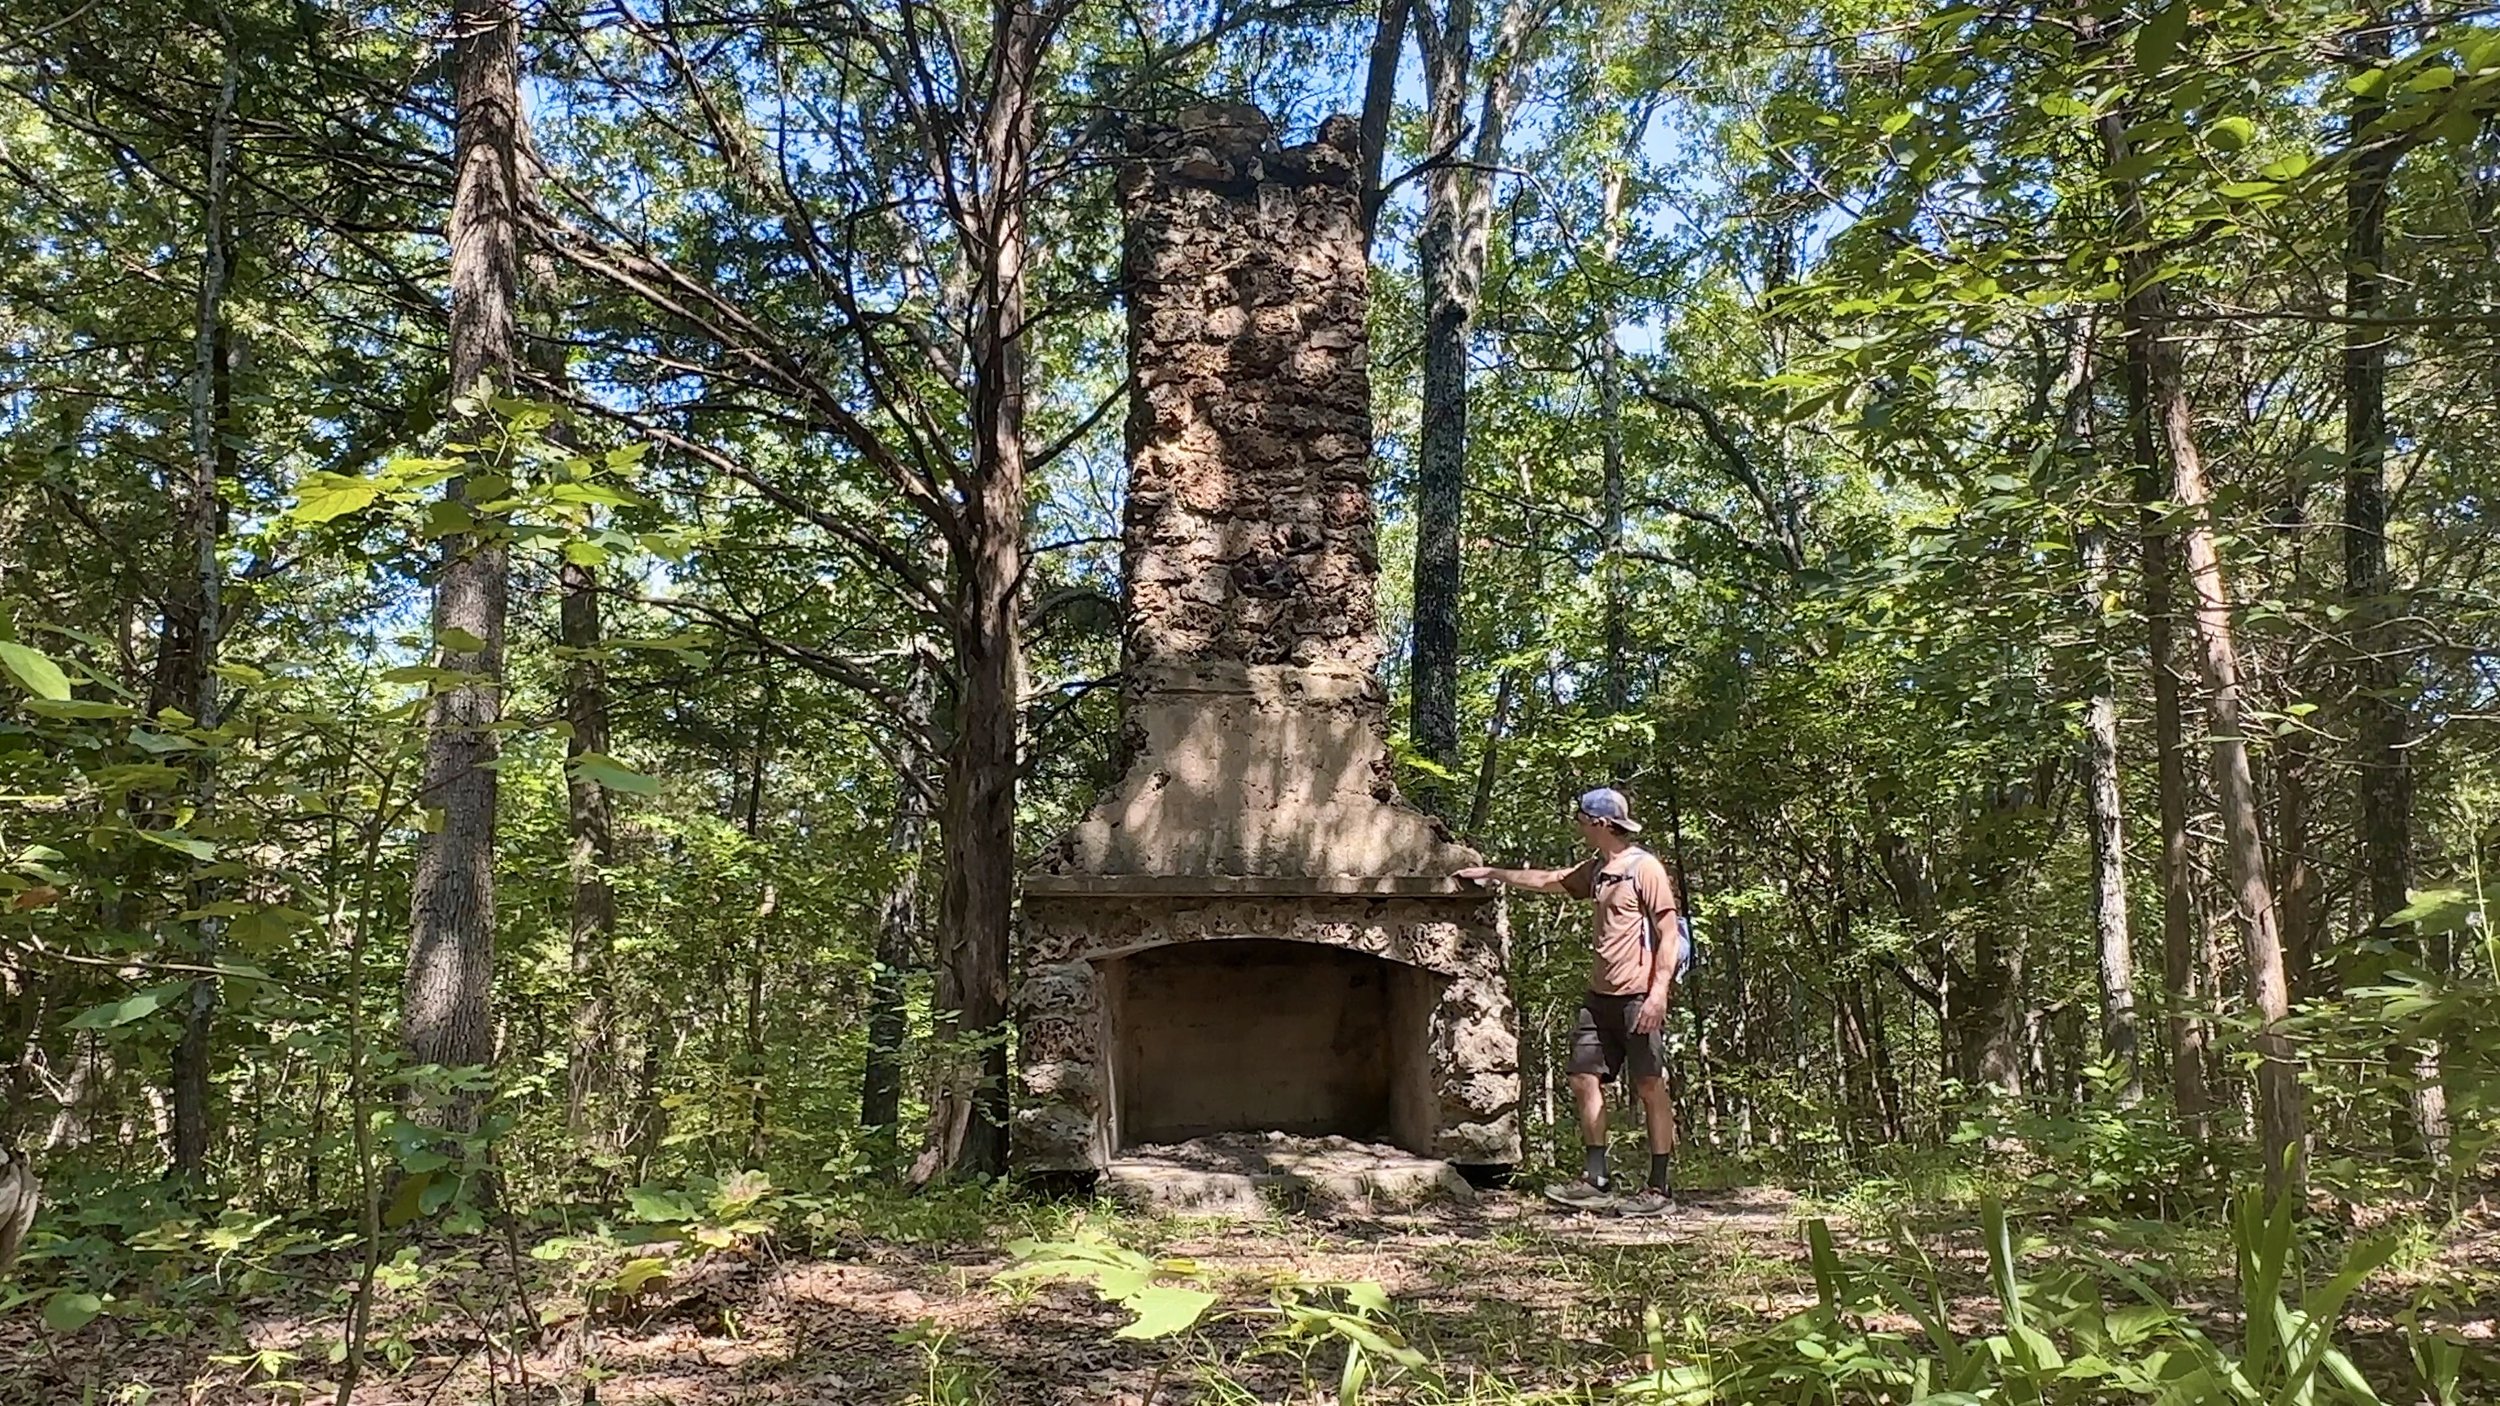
(1536,880)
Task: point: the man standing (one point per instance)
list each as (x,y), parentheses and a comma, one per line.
(1639,937)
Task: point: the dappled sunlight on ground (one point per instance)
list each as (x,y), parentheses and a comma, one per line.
(1507,1289)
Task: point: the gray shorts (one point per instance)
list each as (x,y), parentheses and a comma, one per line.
(1602,1042)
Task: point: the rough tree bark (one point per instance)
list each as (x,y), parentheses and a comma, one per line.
(445,1000)
(1458,217)
(2114,939)
(968,1116)
(2183,1028)
(203,600)
(2384,791)
(1380,86)
(590,1063)
(898,922)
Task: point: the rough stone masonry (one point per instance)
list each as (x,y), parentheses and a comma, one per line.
(1252,927)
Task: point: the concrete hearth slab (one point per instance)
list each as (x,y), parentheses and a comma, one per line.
(1251,1174)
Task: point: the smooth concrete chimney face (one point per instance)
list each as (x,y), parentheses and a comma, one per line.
(1252,931)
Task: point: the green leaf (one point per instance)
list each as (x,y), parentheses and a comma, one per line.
(448,517)
(2001,1266)
(2157,40)
(658,1207)
(1826,1262)
(326,497)
(459,641)
(2230,133)
(408,1202)
(585,554)
(70,1310)
(78,708)
(179,842)
(2435,911)
(138,1005)
(267,928)
(591,494)
(605,771)
(34,671)
(1164,1309)
(1368,1296)
(641,1274)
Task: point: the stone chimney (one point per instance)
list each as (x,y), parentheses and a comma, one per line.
(1254,882)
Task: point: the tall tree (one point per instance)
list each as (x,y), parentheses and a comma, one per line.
(451,954)
(200,592)
(590,1063)
(590,853)
(2184,1028)
(1380,95)
(2113,940)
(968,1122)
(898,920)
(1451,254)
(2384,791)
(2280,1115)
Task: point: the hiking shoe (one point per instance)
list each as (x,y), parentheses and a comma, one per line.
(1581,1195)
(1647,1202)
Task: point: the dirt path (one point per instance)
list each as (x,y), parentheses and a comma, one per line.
(1507,1287)
(1514,1301)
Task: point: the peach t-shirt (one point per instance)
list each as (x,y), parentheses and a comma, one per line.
(1633,892)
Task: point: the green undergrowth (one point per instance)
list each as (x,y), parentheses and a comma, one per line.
(1914,1286)
(2248,1305)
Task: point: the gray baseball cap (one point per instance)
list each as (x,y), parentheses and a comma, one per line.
(1608,805)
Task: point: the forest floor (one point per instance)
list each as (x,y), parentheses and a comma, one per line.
(1511,1300)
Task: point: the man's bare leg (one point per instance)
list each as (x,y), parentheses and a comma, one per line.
(1657,1109)
(1588,1096)
(1588,1099)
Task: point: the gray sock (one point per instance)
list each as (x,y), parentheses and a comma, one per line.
(1593,1165)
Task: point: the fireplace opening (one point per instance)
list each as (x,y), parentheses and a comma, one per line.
(1261,1035)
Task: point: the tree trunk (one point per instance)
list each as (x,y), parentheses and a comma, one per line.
(1987,1019)
(445,1001)
(1440,480)
(752,1057)
(203,525)
(590,1067)
(2382,724)
(1615,669)
(2114,941)
(1488,766)
(1887,1077)
(898,923)
(2280,1116)
(2306,967)
(590,1085)
(2185,1029)
(1458,217)
(969,1111)
(1380,86)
